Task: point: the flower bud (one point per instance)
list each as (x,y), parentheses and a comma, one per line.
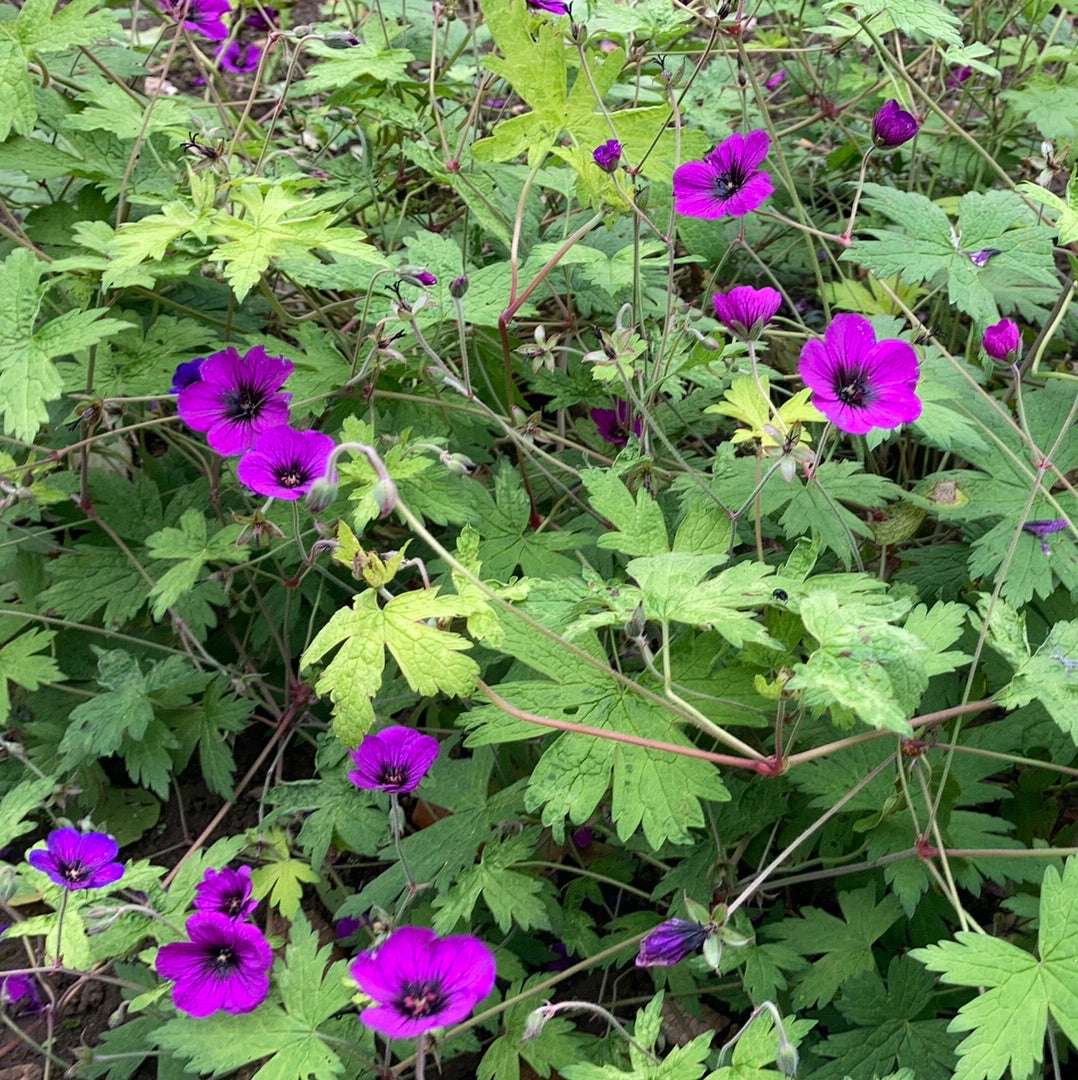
(458,464)
(1002,341)
(385,496)
(458,287)
(892,126)
(786,1059)
(323,492)
(607,155)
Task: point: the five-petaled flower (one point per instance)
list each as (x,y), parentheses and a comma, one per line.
(670,942)
(892,125)
(617,424)
(607,155)
(1002,340)
(728,182)
(394,760)
(239,59)
(745,311)
(77,860)
(419,981)
(224,965)
(285,463)
(205,17)
(236,397)
(860,383)
(226,892)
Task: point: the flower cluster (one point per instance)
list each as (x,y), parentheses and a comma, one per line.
(242,406)
(224,965)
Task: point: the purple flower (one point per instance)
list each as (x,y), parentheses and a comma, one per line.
(860,383)
(670,942)
(1002,341)
(617,424)
(1043,529)
(394,760)
(77,860)
(981,258)
(746,311)
(264,18)
(186,374)
(237,397)
(607,155)
(583,837)
(225,965)
(349,925)
(727,183)
(776,80)
(18,995)
(285,463)
(426,278)
(420,981)
(958,77)
(239,59)
(892,125)
(226,892)
(555,7)
(205,17)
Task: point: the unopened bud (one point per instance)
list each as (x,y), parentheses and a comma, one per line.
(786,1059)
(458,287)
(323,491)
(533,1026)
(458,464)
(385,496)
(9,883)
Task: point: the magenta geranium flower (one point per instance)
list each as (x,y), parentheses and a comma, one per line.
(236,397)
(226,892)
(77,860)
(285,463)
(728,182)
(205,17)
(617,424)
(19,996)
(1045,528)
(860,383)
(224,966)
(607,155)
(419,981)
(185,374)
(1002,340)
(776,80)
(554,7)
(394,760)
(892,125)
(746,311)
(239,59)
(670,942)
(264,18)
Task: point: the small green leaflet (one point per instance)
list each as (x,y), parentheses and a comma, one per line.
(194,548)
(844,948)
(430,659)
(22,662)
(18,803)
(346,68)
(638,522)
(925,247)
(282,881)
(1006,1023)
(511,896)
(28,377)
(864,664)
(918,18)
(285,1030)
(1065,210)
(275,222)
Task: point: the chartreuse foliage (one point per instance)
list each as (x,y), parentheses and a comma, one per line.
(689,648)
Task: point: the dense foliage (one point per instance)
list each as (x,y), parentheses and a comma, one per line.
(538,540)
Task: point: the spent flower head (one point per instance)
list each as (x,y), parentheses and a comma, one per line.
(860,383)
(419,981)
(223,966)
(78,860)
(394,760)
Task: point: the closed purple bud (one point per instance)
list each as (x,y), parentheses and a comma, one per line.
(776,80)
(670,942)
(554,7)
(608,155)
(1002,340)
(426,278)
(892,125)
(458,287)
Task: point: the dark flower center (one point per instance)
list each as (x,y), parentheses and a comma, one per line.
(292,475)
(851,388)
(245,403)
(74,872)
(421,999)
(233,904)
(394,775)
(224,960)
(730,182)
